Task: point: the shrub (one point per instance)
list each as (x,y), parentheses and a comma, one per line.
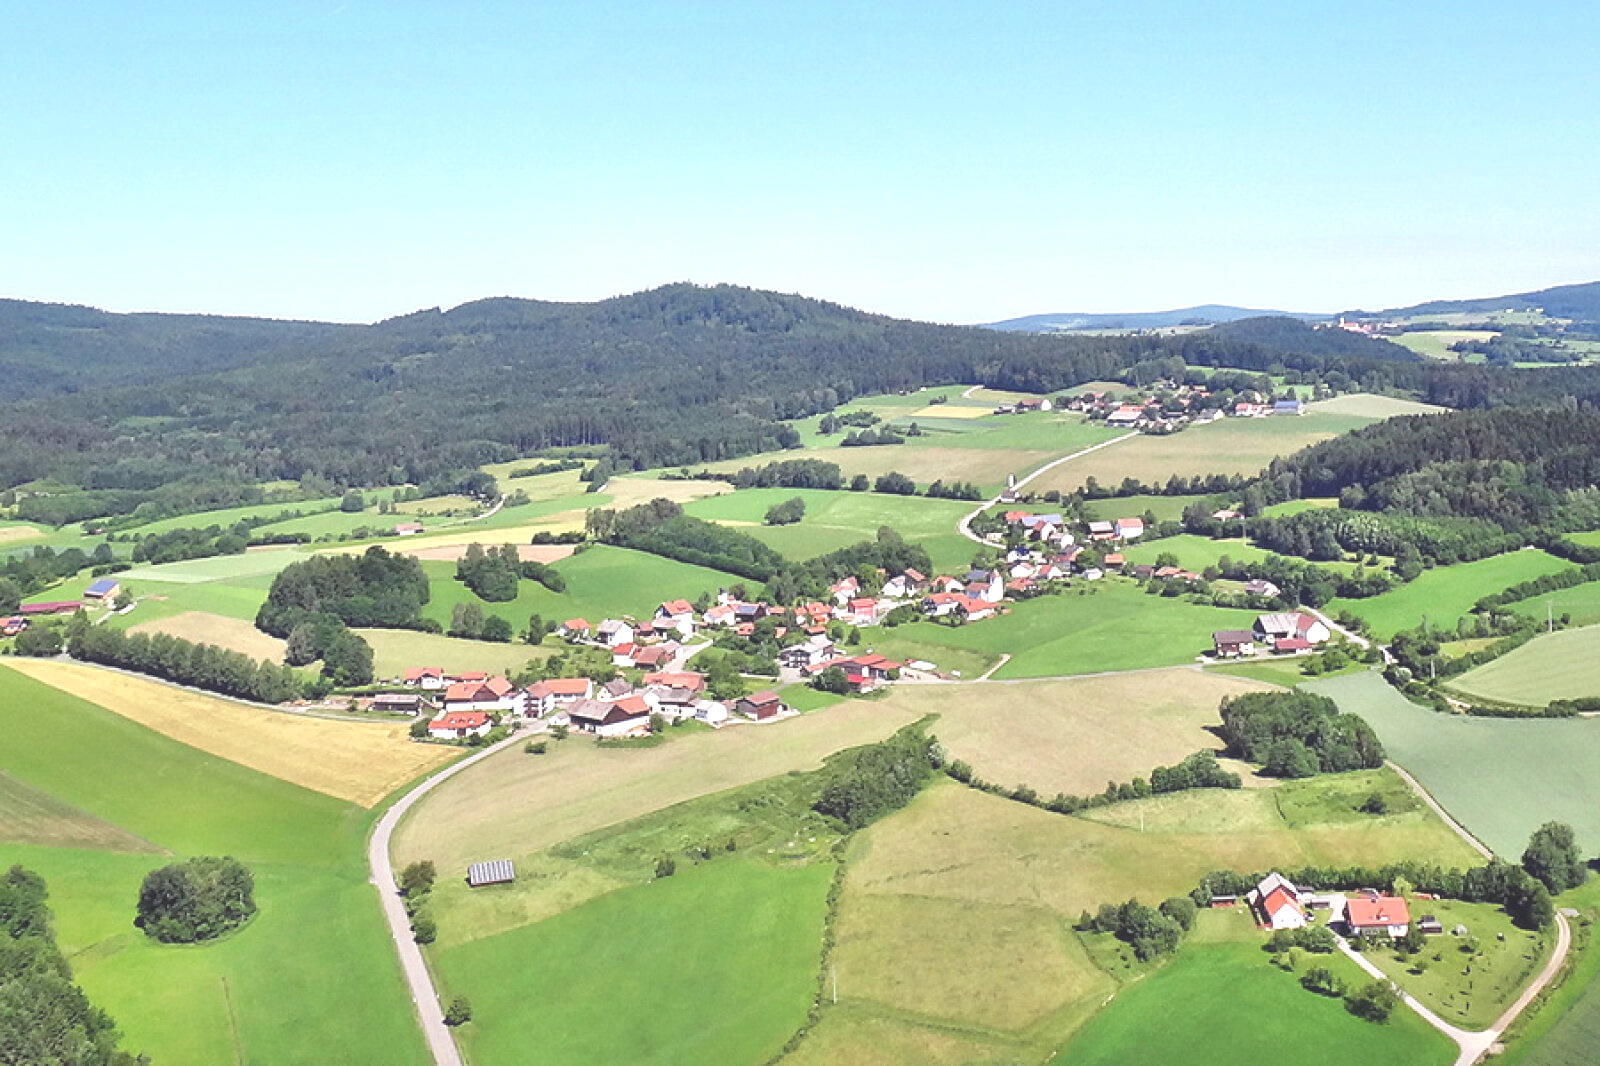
(424,929)
(666,866)
(417,878)
(1322,981)
(536,747)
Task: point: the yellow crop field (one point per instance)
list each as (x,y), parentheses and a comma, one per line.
(203,627)
(361,762)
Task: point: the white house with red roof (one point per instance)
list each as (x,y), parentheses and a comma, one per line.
(493,694)
(722,614)
(1374,915)
(676,615)
(429,677)
(459,725)
(689,679)
(1128,528)
(546,697)
(861,611)
(864,672)
(1276,903)
(614,631)
(1290,630)
(904,585)
(574,629)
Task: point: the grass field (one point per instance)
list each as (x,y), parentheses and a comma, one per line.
(838,519)
(1372,406)
(1005,980)
(513,805)
(1551,667)
(203,627)
(1506,960)
(1231,446)
(1110,625)
(1177,1016)
(361,762)
(1581,602)
(602,582)
(283,989)
(29,816)
(396,650)
(1435,343)
(1165,508)
(1074,736)
(215,568)
(1446,593)
(1502,778)
(1196,552)
(716,964)
(1289,507)
(906,644)
(1565,1030)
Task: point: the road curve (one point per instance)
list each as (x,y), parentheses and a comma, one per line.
(441,1045)
(964,527)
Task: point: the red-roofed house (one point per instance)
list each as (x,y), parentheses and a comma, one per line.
(573,629)
(545,697)
(613,719)
(677,679)
(458,725)
(494,694)
(1276,903)
(1129,528)
(1375,915)
(862,611)
(676,614)
(762,706)
(904,585)
(53,607)
(429,677)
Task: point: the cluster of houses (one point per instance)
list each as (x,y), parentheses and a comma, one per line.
(1277,903)
(1023,407)
(466,705)
(1283,633)
(1181,405)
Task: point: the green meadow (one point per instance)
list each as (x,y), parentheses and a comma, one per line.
(1580,602)
(1555,666)
(1094,626)
(1500,777)
(1165,508)
(836,520)
(716,964)
(1446,593)
(1236,1007)
(602,582)
(288,987)
(396,650)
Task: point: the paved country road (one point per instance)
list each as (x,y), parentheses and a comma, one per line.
(441,1045)
(964,527)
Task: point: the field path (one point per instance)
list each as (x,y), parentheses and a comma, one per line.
(964,527)
(1354,638)
(441,1044)
(1427,797)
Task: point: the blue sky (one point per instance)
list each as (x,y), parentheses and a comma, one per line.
(955,162)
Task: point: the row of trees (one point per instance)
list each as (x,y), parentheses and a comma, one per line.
(861,785)
(1199,770)
(186,663)
(1151,931)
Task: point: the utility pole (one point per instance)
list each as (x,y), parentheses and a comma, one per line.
(1550,616)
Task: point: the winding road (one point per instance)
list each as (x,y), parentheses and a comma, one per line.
(965,525)
(441,1045)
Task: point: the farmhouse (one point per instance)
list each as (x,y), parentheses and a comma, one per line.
(688,679)
(54,607)
(430,677)
(104,589)
(1376,915)
(615,719)
(862,611)
(1292,627)
(986,585)
(1129,528)
(1231,643)
(904,585)
(1276,903)
(399,703)
(762,706)
(1126,415)
(671,700)
(495,694)
(1261,587)
(458,725)
(408,529)
(800,656)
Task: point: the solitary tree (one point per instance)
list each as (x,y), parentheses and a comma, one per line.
(459,1011)
(1552,856)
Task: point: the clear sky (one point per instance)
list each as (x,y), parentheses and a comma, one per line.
(951,161)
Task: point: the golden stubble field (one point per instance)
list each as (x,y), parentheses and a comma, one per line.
(203,627)
(361,762)
(1073,736)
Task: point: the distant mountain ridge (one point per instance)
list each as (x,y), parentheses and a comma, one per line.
(1201,315)
(1579,302)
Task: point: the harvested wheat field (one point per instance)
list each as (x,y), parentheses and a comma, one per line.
(1073,736)
(203,627)
(360,762)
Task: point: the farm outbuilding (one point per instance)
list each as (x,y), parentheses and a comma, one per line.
(494,872)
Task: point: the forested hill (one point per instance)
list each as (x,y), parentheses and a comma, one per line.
(680,374)
(1578,302)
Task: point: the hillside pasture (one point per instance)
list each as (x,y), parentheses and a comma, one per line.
(1231,446)
(1502,778)
(923,463)
(361,762)
(1445,593)
(203,627)
(1093,627)
(514,805)
(1555,666)
(1165,508)
(1001,882)
(394,651)
(720,961)
(1074,736)
(1580,602)
(1435,343)
(214,568)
